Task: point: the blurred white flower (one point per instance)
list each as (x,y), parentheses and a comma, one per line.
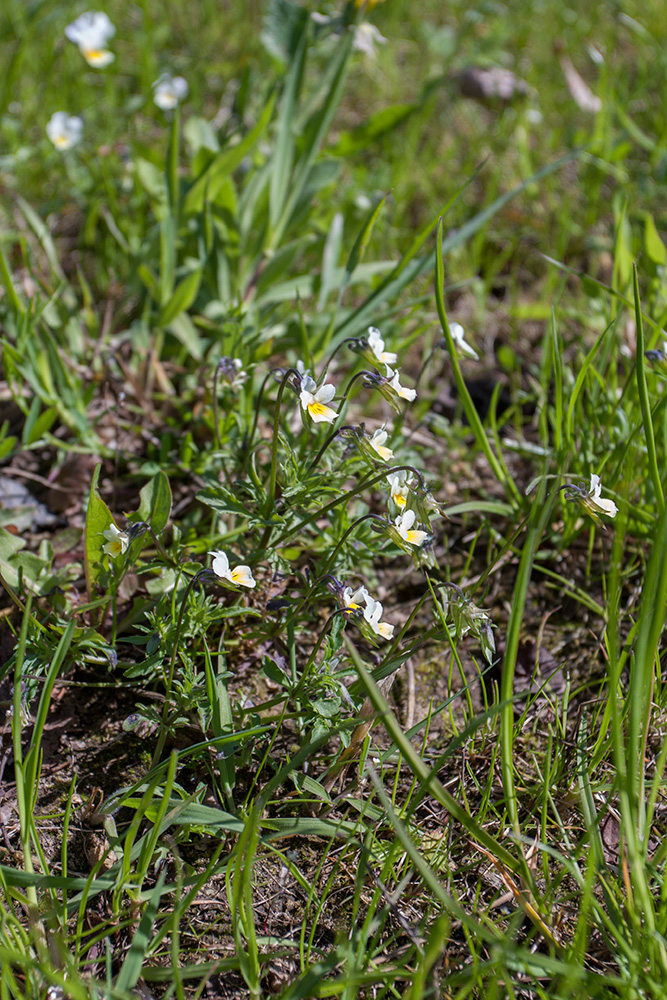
(168,91)
(240,575)
(314,400)
(117,541)
(399,389)
(458,336)
(376,344)
(366,37)
(232,372)
(64,130)
(91,32)
(372,614)
(403,525)
(377,443)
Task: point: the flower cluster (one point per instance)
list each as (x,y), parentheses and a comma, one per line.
(369,615)
(92,32)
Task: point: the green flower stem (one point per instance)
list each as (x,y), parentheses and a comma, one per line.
(172,666)
(644,400)
(216,412)
(316,648)
(361,374)
(346,534)
(461,387)
(273,473)
(343,498)
(332,437)
(248,443)
(335,351)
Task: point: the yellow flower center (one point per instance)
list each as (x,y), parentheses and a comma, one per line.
(317,409)
(399,499)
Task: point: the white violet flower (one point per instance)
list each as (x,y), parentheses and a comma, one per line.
(458,336)
(376,344)
(598,503)
(116,543)
(399,389)
(403,525)
(372,614)
(169,91)
(366,37)
(91,32)
(377,443)
(352,599)
(240,575)
(399,487)
(64,130)
(314,400)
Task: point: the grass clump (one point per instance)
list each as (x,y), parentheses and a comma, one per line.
(334,589)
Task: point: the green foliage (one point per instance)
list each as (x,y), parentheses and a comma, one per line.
(188,296)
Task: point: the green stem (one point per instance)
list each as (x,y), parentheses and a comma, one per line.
(644,400)
(172,666)
(343,498)
(365,517)
(461,387)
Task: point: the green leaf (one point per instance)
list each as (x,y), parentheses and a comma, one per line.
(361,243)
(134,960)
(186,332)
(98,519)
(284,22)
(283,156)
(369,131)
(36,424)
(655,248)
(183,297)
(155,506)
(228,160)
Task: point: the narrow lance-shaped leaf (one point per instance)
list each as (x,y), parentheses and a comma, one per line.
(155,506)
(283,156)
(360,244)
(98,519)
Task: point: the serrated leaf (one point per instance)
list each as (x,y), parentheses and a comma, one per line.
(98,520)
